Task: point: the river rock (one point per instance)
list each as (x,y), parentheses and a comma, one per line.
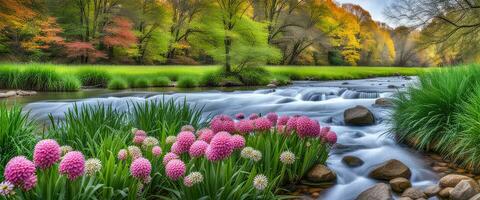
(465,190)
(476,197)
(26,93)
(452,180)
(8,94)
(352,161)
(271,85)
(358,116)
(320,173)
(384,102)
(380,191)
(405,198)
(432,190)
(445,192)
(414,193)
(400,184)
(391,169)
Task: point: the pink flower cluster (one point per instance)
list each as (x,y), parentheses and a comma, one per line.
(220,147)
(21,172)
(262,124)
(222,123)
(72,165)
(46,153)
(141,168)
(244,126)
(205,134)
(139,136)
(198,148)
(175,169)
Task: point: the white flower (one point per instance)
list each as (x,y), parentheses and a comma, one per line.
(65,149)
(196,177)
(150,142)
(260,182)
(287,157)
(134,130)
(135,152)
(6,189)
(256,156)
(188,128)
(171,139)
(252,154)
(92,166)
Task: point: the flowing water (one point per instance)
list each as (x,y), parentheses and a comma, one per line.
(323,101)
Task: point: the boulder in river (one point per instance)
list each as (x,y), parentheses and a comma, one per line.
(391,169)
(476,197)
(432,190)
(358,116)
(452,180)
(320,173)
(414,193)
(465,190)
(400,184)
(445,192)
(380,191)
(352,161)
(383,102)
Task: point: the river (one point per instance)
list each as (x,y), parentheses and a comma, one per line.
(323,101)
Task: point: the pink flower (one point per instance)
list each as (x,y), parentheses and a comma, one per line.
(291,125)
(140,133)
(187,181)
(283,120)
(222,123)
(188,128)
(122,154)
(141,168)
(185,139)
(18,170)
(138,139)
(244,126)
(156,151)
(175,169)
(331,137)
(220,147)
(72,165)
(262,124)
(240,116)
(273,117)
(176,149)
(198,148)
(237,141)
(168,157)
(30,183)
(205,134)
(46,153)
(253,116)
(323,132)
(281,129)
(307,127)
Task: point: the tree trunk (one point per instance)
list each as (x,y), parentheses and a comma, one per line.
(228,43)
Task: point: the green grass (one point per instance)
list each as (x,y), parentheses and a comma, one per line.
(441,114)
(52,77)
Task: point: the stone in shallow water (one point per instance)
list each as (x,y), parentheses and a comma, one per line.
(321,173)
(358,116)
(445,192)
(391,169)
(465,190)
(452,180)
(380,191)
(400,184)
(414,193)
(352,161)
(432,190)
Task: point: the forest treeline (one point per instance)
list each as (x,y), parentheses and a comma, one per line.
(236,33)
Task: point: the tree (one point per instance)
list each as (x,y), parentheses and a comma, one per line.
(447,24)
(84,51)
(118,33)
(48,36)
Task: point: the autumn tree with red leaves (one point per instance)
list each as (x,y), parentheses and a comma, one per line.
(84,51)
(119,34)
(47,39)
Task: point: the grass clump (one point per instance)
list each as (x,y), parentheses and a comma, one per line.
(253,76)
(141,82)
(434,114)
(118,84)
(16,134)
(93,77)
(187,82)
(161,81)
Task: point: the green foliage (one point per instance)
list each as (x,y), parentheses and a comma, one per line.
(37,78)
(211,79)
(118,84)
(17,134)
(161,81)
(93,77)
(141,82)
(439,114)
(335,58)
(254,76)
(187,82)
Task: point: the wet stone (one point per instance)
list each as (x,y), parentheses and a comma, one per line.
(352,161)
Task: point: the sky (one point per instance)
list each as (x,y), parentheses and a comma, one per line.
(375,7)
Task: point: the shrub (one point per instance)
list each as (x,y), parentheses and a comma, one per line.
(187,82)
(93,77)
(253,76)
(281,80)
(16,133)
(68,83)
(211,79)
(118,84)
(141,82)
(161,81)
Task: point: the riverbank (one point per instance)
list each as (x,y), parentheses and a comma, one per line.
(51,77)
